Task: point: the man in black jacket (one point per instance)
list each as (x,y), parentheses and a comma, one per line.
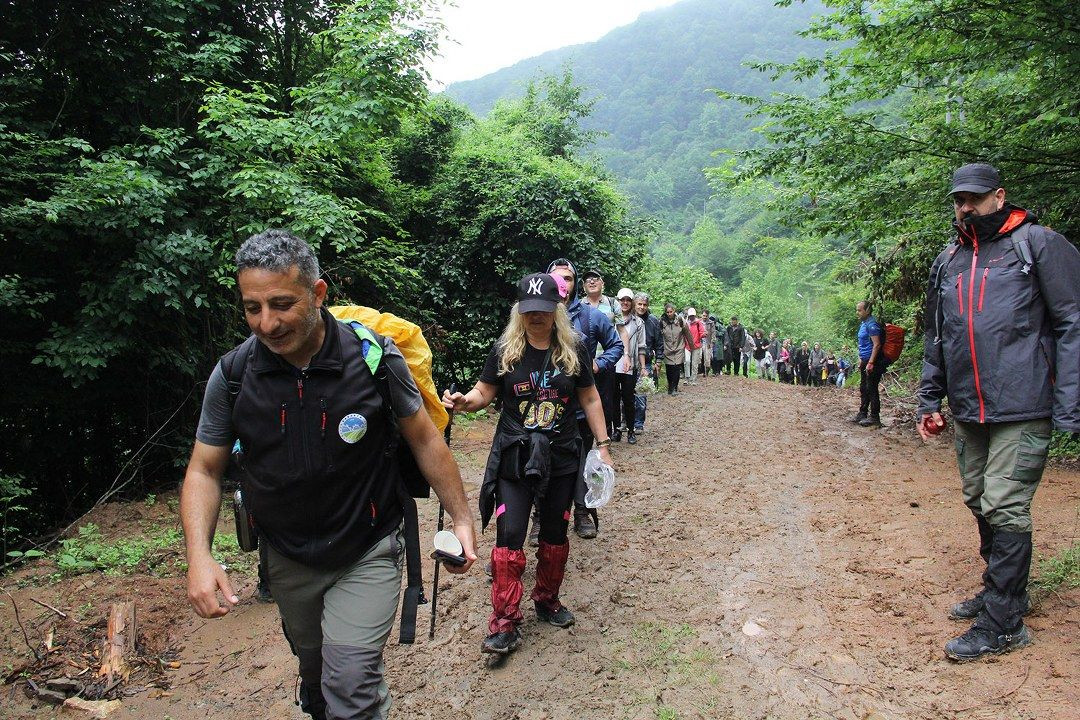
(1003,344)
(313,426)
(734,339)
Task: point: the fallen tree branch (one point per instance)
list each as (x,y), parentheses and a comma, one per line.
(47,606)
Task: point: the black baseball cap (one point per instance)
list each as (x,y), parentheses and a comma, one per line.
(976,178)
(591,272)
(562,262)
(538,293)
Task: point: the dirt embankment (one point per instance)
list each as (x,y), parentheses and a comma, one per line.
(762,558)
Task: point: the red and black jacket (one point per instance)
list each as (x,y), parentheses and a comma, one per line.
(1003,332)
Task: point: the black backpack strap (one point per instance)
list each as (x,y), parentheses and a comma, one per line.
(233,364)
(1022,248)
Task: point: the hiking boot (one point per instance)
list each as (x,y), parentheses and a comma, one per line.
(871,421)
(977,642)
(583,523)
(502,643)
(969,609)
(616,436)
(859,418)
(638,429)
(561,618)
(631,438)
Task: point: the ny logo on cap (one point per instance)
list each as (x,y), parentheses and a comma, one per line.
(534,286)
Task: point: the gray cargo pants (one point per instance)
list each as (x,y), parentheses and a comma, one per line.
(1001,465)
(338,622)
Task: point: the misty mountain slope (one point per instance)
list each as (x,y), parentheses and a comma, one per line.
(652,79)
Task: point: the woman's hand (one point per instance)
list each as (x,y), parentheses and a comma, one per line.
(456,402)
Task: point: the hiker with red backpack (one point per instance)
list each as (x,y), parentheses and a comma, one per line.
(315,424)
(542,373)
(872,363)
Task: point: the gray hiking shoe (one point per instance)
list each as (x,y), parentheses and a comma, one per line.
(502,643)
(561,618)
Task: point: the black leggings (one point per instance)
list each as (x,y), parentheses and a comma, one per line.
(513,505)
(672,376)
(624,396)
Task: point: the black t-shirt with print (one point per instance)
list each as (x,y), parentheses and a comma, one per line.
(552,411)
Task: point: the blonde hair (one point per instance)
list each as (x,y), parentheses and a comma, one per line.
(564,342)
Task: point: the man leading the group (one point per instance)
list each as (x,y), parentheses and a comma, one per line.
(311,422)
(1003,344)
(595,329)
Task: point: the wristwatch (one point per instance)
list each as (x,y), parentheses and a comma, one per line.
(603,443)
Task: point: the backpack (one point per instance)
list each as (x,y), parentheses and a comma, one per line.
(412,483)
(893,342)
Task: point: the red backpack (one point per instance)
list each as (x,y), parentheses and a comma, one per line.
(893,343)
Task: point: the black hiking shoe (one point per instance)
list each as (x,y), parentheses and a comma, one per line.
(969,609)
(616,436)
(561,618)
(871,421)
(583,524)
(631,438)
(977,642)
(859,418)
(502,643)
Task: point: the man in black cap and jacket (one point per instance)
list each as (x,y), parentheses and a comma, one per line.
(1003,344)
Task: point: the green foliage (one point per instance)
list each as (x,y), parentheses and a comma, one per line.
(1060,571)
(683,287)
(512,196)
(12,493)
(89,551)
(913,90)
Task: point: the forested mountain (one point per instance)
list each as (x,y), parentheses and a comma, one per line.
(651,84)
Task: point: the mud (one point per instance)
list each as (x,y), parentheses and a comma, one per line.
(762,558)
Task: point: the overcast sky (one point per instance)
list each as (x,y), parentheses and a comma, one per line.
(485,35)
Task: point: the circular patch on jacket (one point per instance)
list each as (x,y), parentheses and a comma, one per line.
(352,427)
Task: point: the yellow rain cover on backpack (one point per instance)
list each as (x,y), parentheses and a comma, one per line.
(410,341)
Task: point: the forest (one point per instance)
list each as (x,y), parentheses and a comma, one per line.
(142,142)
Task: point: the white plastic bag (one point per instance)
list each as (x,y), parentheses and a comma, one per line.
(599,480)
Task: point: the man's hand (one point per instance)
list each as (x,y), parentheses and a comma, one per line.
(467,536)
(605,456)
(935,422)
(205,578)
(595,367)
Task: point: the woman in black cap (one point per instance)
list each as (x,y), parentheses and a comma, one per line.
(539,369)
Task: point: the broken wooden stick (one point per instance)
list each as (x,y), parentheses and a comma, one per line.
(119,642)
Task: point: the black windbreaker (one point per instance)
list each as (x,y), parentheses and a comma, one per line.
(1002,337)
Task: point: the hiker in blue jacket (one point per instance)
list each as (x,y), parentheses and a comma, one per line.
(1003,344)
(595,330)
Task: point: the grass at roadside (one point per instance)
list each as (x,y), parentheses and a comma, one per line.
(1058,572)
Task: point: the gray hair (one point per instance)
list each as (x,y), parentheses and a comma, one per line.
(278,251)
(641,296)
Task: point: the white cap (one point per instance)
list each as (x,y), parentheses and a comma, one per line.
(691,311)
(625,293)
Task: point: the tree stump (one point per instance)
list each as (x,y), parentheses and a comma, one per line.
(119,642)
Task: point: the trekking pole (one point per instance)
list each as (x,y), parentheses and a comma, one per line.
(442,512)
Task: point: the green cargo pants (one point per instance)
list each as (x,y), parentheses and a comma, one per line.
(337,622)
(1001,465)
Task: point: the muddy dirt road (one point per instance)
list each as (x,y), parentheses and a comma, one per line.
(762,558)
